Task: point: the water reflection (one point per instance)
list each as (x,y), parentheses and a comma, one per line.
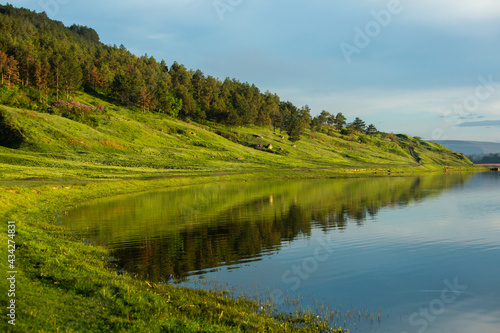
(175,233)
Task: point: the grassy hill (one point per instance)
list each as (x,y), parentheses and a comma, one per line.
(122,142)
(196,123)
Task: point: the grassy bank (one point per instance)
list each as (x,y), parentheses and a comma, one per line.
(64,285)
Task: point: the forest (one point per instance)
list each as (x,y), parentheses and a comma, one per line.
(44,63)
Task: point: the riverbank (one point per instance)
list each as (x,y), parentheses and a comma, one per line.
(57,272)
(63,285)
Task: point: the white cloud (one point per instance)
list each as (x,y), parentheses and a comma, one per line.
(158,36)
(454,12)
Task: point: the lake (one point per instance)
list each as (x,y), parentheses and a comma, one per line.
(393,254)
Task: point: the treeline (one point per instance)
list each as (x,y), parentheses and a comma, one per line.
(42,62)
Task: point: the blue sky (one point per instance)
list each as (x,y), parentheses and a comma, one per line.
(428,68)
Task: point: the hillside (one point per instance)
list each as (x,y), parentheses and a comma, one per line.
(74,107)
(125,143)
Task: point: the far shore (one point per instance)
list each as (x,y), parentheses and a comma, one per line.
(493,165)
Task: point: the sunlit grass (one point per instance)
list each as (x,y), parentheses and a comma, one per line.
(130,143)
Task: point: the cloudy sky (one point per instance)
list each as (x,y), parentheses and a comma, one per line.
(428,68)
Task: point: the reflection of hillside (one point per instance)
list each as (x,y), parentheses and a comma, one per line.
(169,234)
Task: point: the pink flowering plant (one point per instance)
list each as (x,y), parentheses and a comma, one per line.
(77,111)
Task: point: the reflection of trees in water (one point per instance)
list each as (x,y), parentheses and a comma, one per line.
(208,246)
(247,231)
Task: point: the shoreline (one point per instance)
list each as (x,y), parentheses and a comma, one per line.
(55,265)
(493,165)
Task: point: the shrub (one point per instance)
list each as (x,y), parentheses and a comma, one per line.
(363,139)
(77,111)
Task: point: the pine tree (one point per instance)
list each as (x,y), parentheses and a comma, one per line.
(359,125)
(94,77)
(323,117)
(181,85)
(371,129)
(305,117)
(145,99)
(55,62)
(3,65)
(71,75)
(41,75)
(340,121)
(12,71)
(294,126)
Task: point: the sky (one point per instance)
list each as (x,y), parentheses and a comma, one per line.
(428,68)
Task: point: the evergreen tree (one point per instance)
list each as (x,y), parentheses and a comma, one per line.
(340,121)
(359,125)
(181,85)
(94,77)
(3,66)
(371,129)
(285,111)
(41,75)
(268,107)
(330,120)
(305,117)
(106,76)
(126,88)
(323,117)
(71,75)
(119,90)
(11,71)
(55,63)
(294,125)
(145,99)
(315,126)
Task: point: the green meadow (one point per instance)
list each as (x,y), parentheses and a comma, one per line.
(125,143)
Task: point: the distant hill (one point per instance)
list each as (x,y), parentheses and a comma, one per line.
(470,147)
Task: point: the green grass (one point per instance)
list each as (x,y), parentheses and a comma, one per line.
(128,143)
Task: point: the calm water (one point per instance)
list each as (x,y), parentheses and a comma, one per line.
(413,254)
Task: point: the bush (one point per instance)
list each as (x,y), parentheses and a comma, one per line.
(13,96)
(77,111)
(363,139)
